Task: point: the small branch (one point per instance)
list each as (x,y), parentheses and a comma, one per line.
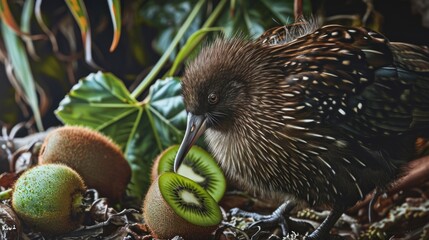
(416,174)
(6,194)
(297,10)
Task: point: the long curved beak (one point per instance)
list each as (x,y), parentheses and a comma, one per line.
(195,127)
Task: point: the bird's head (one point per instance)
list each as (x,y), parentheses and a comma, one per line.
(217,87)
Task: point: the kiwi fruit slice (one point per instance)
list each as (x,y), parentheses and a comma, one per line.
(49,198)
(94,156)
(198,165)
(176,205)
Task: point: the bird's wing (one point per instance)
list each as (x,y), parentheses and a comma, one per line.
(413,67)
(356,79)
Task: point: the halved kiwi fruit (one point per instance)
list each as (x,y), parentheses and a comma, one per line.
(198,165)
(49,198)
(176,205)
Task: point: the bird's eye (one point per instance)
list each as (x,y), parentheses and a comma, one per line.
(213,98)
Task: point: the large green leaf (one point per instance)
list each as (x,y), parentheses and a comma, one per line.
(101,101)
(162,125)
(19,60)
(141,129)
(168,111)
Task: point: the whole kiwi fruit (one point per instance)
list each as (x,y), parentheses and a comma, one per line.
(176,205)
(94,156)
(198,165)
(49,198)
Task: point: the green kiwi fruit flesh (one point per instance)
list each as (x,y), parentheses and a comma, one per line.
(198,165)
(94,156)
(176,205)
(49,198)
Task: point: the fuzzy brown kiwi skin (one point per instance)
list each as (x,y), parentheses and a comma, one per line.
(164,223)
(154,171)
(94,156)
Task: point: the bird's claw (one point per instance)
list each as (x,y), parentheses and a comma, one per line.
(279,218)
(271,221)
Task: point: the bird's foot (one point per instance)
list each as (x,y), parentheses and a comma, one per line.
(322,232)
(279,218)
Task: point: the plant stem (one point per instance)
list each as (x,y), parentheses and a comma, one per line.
(157,68)
(209,22)
(215,14)
(297,10)
(6,194)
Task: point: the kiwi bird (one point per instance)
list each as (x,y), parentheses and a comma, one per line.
(321,114)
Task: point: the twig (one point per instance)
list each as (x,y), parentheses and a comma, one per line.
(297,10)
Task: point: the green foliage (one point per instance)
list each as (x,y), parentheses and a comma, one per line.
(168,18)
(9,109)
(250,17)
(189,46)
